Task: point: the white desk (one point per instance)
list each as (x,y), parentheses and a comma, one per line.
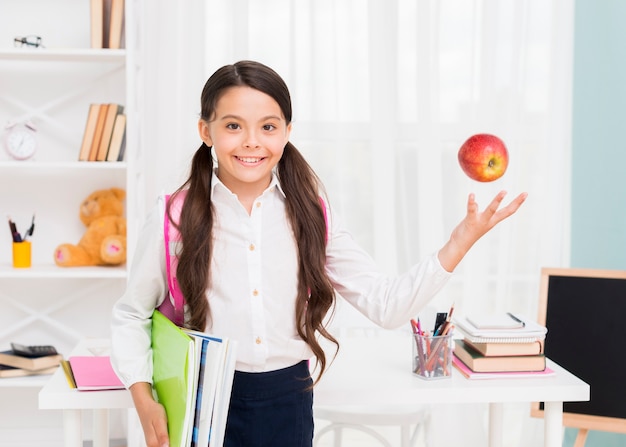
(369,370)
(57,395)
(373,370)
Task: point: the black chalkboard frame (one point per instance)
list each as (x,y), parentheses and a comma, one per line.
(604,312)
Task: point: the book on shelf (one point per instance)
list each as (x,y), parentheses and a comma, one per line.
(90,130)
(504,349)
(106,19)
(107,23)
(97,136)
(116,24)
(11,371)
(105,131)
(468,373)
(477,362)
(118,139)
(9,358)
(91,373)
(528,331)
(192,376)
(96,12)
(112,110)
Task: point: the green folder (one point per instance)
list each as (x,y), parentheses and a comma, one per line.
(174,376)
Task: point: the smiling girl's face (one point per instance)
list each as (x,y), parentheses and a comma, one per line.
(248,133)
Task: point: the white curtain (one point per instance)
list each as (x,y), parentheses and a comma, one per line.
(384,93)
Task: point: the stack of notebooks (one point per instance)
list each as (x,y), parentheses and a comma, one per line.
(13,364)
(500,346)
(193,377)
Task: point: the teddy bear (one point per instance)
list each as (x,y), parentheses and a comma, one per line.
(104,241)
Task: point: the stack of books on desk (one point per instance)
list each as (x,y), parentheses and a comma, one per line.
(500,346)
(13,364)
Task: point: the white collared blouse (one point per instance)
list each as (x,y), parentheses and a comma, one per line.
(253,285)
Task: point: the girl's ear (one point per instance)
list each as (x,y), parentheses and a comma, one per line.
(288,133)
(203,130)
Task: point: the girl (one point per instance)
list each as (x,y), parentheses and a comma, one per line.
(260,262)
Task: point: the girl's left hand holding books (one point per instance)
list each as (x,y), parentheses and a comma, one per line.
(475,225)
(151,414)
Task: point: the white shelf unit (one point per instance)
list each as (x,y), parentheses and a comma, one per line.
(53,87)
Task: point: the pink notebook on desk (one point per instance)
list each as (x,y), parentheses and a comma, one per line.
(94,373)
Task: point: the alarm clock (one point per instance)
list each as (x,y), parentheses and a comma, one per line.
(20,140)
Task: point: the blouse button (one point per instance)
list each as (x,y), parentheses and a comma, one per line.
(252,247)
(258,340)
(258,204)
(255,292)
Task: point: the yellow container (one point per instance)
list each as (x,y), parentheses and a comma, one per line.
(21,254)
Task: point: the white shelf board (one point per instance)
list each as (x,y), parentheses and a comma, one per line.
(52,271)
(63,54)
(28,164)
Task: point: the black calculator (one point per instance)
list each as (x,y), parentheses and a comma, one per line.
(33,350)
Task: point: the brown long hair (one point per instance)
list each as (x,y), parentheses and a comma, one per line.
(315,295)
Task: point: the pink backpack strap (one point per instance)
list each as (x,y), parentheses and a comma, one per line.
(174,306)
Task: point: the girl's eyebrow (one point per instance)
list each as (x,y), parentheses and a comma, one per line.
(237,117)
(230,117)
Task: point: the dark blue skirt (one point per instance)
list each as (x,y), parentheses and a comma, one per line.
(271,409)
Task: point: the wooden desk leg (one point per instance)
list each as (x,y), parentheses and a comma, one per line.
(72,428)
(553,424)
(495,424)
(101,428)
(581,438)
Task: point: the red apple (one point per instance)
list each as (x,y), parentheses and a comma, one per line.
(483,157)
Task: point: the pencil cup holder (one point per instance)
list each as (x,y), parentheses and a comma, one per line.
(21,254)
(432,356)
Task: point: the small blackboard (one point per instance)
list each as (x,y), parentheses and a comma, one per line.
(584,311)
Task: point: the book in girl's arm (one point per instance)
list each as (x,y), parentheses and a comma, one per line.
(217,370)
(193,373)
(175,376)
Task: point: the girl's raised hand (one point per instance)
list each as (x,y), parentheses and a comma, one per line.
(475,225)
